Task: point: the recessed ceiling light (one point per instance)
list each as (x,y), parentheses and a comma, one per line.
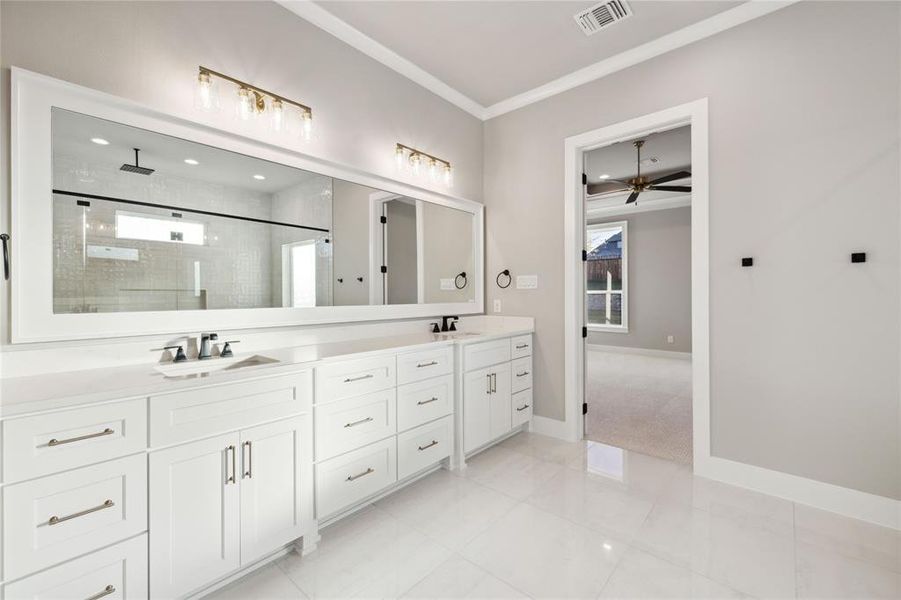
(100,141)
(604,176)
(260,177)
(191,161)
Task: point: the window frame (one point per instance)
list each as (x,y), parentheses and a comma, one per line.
(624,292)
(288,270)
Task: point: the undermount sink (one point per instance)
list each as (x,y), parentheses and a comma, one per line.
(213,365)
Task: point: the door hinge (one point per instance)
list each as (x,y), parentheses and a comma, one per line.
(584,332)
(584,255)
(383,219)
(584,179)
(384,269)
(584,408)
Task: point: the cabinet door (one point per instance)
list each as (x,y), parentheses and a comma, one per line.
(501,400)
(476,409)
(194,515)
(276,485)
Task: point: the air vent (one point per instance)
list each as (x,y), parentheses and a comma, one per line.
(593,19)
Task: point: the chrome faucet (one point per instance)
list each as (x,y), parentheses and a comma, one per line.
(206,345)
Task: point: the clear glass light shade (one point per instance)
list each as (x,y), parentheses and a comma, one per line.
(244,106)
(399,156)
(277,115)
(448,176)
(206,93)
(433,170)
(416,164)
(306,126)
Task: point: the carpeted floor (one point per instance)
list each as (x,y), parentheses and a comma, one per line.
(640,403)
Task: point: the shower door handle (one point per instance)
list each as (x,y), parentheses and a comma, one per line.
(4,238)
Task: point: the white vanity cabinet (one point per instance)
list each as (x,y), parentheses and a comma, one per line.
(496,393)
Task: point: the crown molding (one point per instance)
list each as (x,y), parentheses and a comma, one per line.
(318,16)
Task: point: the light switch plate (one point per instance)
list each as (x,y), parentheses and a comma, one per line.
(447,284)
(527,282)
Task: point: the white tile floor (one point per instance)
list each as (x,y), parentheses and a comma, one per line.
(537,517)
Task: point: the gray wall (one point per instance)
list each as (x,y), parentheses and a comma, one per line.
(150,51)
(804,169)
(350,247)
(401,246)
(447,251)
(659,281)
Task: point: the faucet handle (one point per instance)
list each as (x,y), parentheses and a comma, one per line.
(179,353)
(435,328)
(227,349)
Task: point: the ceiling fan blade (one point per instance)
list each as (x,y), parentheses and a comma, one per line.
(670,188)
(607,187)
(632,197)
(671,177)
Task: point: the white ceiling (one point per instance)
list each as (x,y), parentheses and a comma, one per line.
(490,51)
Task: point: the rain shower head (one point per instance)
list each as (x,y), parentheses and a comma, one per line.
(136,168)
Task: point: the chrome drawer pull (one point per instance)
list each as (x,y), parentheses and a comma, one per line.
(428,364)
(56,442)
(523,407)
(106,592)
(430,400)
(358,475)
(522,346)
(523,374)
(230,478)
(360,422)
(427,446)
(352,379)
(248,473)
(54,520)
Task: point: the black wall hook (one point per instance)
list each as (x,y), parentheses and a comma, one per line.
(4,238)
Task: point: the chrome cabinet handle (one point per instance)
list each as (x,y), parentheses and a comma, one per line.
(4,238)
(352,379)
(428,364)
(56,442)
(494,383)
(523,374)
(358,475)
(521,346)
(427,446)
(430,400)
(106,592)
(523,407)
(248,471)
(230,478)
(360,422)
(489,382)
(54,520)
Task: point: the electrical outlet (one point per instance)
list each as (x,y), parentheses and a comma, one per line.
(497,305)
(670,339)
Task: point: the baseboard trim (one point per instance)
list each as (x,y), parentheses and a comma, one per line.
(641,351)
(826,496)
(551,428)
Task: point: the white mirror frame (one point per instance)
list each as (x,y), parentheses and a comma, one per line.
(33,320)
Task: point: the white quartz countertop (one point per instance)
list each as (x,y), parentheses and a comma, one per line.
(55,391)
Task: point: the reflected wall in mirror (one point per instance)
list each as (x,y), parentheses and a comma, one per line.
(178,225)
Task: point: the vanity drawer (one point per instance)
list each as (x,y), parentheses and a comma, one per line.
(416,366)
(424,446)
(522,374)
(344,481)
(522,407)
(521,345)
(348,424)
(424,401)
(202,412)
(350,378)
(50,443)
(50,520)
(485,354)
(115,573)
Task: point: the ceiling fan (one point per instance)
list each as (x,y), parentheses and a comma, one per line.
(639,184)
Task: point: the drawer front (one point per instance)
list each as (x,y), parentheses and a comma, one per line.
(477,356)
(50,520)
(350,378)
(424,401)
(344,481)
(51,443)
(521,346)
(522,407)
(198,413)
(354,422)
(424,446)
(522,374)
(115,573)
(423,364)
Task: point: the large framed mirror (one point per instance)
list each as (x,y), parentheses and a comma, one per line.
(130,222)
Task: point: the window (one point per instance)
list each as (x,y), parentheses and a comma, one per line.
(136,226)
(299,274)
(606,276)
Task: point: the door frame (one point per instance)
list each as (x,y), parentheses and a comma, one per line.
(694,114)
(378,281)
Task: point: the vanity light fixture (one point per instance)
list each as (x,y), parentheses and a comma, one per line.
(251,102)
(438,168)
(100,141)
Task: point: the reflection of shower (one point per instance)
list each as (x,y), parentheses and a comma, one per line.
(136,168)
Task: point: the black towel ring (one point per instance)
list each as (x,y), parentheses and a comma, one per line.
(504,273)
(457,283)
